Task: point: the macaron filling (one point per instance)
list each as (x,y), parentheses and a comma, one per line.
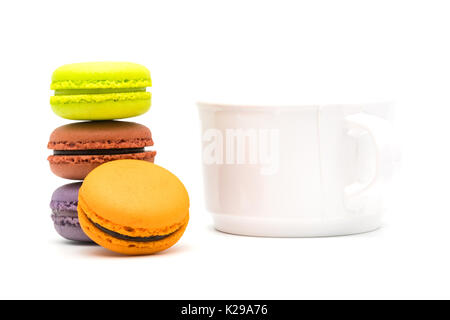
(64,92)
(65,217)
(129,238)
(91,152)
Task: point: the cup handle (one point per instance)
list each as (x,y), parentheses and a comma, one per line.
(380,135)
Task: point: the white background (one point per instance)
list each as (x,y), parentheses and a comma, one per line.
(190,46)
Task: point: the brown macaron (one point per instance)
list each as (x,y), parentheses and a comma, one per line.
(80,147)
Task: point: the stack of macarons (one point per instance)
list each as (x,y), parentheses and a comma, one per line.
(98,93)
(122,201)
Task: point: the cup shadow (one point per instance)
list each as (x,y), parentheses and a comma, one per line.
(367,234)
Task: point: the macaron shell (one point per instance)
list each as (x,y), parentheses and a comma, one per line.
(70,229)
(134,198)
(128,247)
(93,107)
(65,197)
(100,135)
(90,75)
(78,167)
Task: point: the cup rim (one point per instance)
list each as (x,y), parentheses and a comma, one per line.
(228,105)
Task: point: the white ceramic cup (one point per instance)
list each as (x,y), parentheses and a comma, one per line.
(295,171)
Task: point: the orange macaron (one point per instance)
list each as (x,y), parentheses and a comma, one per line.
(133,207)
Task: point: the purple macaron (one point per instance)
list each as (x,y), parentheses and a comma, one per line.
(64,212)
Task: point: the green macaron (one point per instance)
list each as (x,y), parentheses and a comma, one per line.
(100,90)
